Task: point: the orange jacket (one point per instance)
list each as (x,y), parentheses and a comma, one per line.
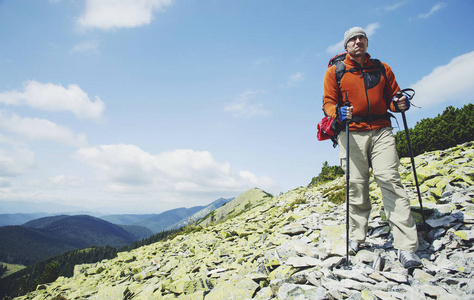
(365,101)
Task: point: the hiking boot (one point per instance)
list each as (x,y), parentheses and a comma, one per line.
(409,259)
(353,248)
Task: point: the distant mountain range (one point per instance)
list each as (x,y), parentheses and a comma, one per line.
(41,235)
(167,220)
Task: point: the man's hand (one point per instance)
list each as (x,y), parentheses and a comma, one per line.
(345,113)
(402,103)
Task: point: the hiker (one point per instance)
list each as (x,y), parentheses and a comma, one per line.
(369,89)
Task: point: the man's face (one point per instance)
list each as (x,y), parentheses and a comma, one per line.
(357,46)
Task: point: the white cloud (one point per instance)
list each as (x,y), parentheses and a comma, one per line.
(243,108)
(371,29)
(89,46)
(127,168)
(66,180)
(395,6)
(112,14)
(295,78)
(15,158)
(336,48)
(40,129)
(55,97)
(435,8)
(339,46)
(449,82)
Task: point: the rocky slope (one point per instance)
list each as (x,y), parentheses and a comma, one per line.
(293,247)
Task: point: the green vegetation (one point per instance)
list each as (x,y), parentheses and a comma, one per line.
(3,269)
(10,269)
(453,127)
(294,204)
(48,270)
(336,194)
(152,239)
(328,173)
(45,237)
(25,280)
(50,273)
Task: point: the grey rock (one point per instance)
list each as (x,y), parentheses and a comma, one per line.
(294,229)
(300,292)
(441,222)
(303,262)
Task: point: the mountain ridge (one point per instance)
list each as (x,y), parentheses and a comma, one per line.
(48,236)
(54,234)
(167,220)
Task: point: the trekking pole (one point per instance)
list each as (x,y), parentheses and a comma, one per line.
(410,150)
(347,186)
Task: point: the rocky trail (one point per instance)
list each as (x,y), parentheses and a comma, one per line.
(292,246)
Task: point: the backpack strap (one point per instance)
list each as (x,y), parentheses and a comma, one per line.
(338,60)
(379,66)
(340,71)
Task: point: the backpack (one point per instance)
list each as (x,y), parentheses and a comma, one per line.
(329,128)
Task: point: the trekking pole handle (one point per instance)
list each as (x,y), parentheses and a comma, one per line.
(348,104)
(408,93)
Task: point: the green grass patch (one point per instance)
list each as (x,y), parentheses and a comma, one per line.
(294,204)
(11,268)
(338,197)
(336,194)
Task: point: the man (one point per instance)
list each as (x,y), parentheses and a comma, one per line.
(370,92)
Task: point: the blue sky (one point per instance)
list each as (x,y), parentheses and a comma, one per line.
(124,106)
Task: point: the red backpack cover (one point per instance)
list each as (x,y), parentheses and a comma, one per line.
(325,129)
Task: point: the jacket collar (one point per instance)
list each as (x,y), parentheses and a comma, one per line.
(351,63)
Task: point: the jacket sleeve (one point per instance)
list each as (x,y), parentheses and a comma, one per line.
(331,92)
(391,87)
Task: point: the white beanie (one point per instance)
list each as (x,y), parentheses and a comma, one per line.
(354,31)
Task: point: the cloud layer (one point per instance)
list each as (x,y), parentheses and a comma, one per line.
(15,159)
(55,98)
(40,129)
(453,81)
(113,14)
(435,8)
(127,168)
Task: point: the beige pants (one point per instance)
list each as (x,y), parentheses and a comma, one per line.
(376,149)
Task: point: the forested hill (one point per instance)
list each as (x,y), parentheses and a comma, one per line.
(45,237)
(453,127)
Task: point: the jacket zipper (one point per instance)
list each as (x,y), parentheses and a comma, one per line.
(367,97)
(366,92)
